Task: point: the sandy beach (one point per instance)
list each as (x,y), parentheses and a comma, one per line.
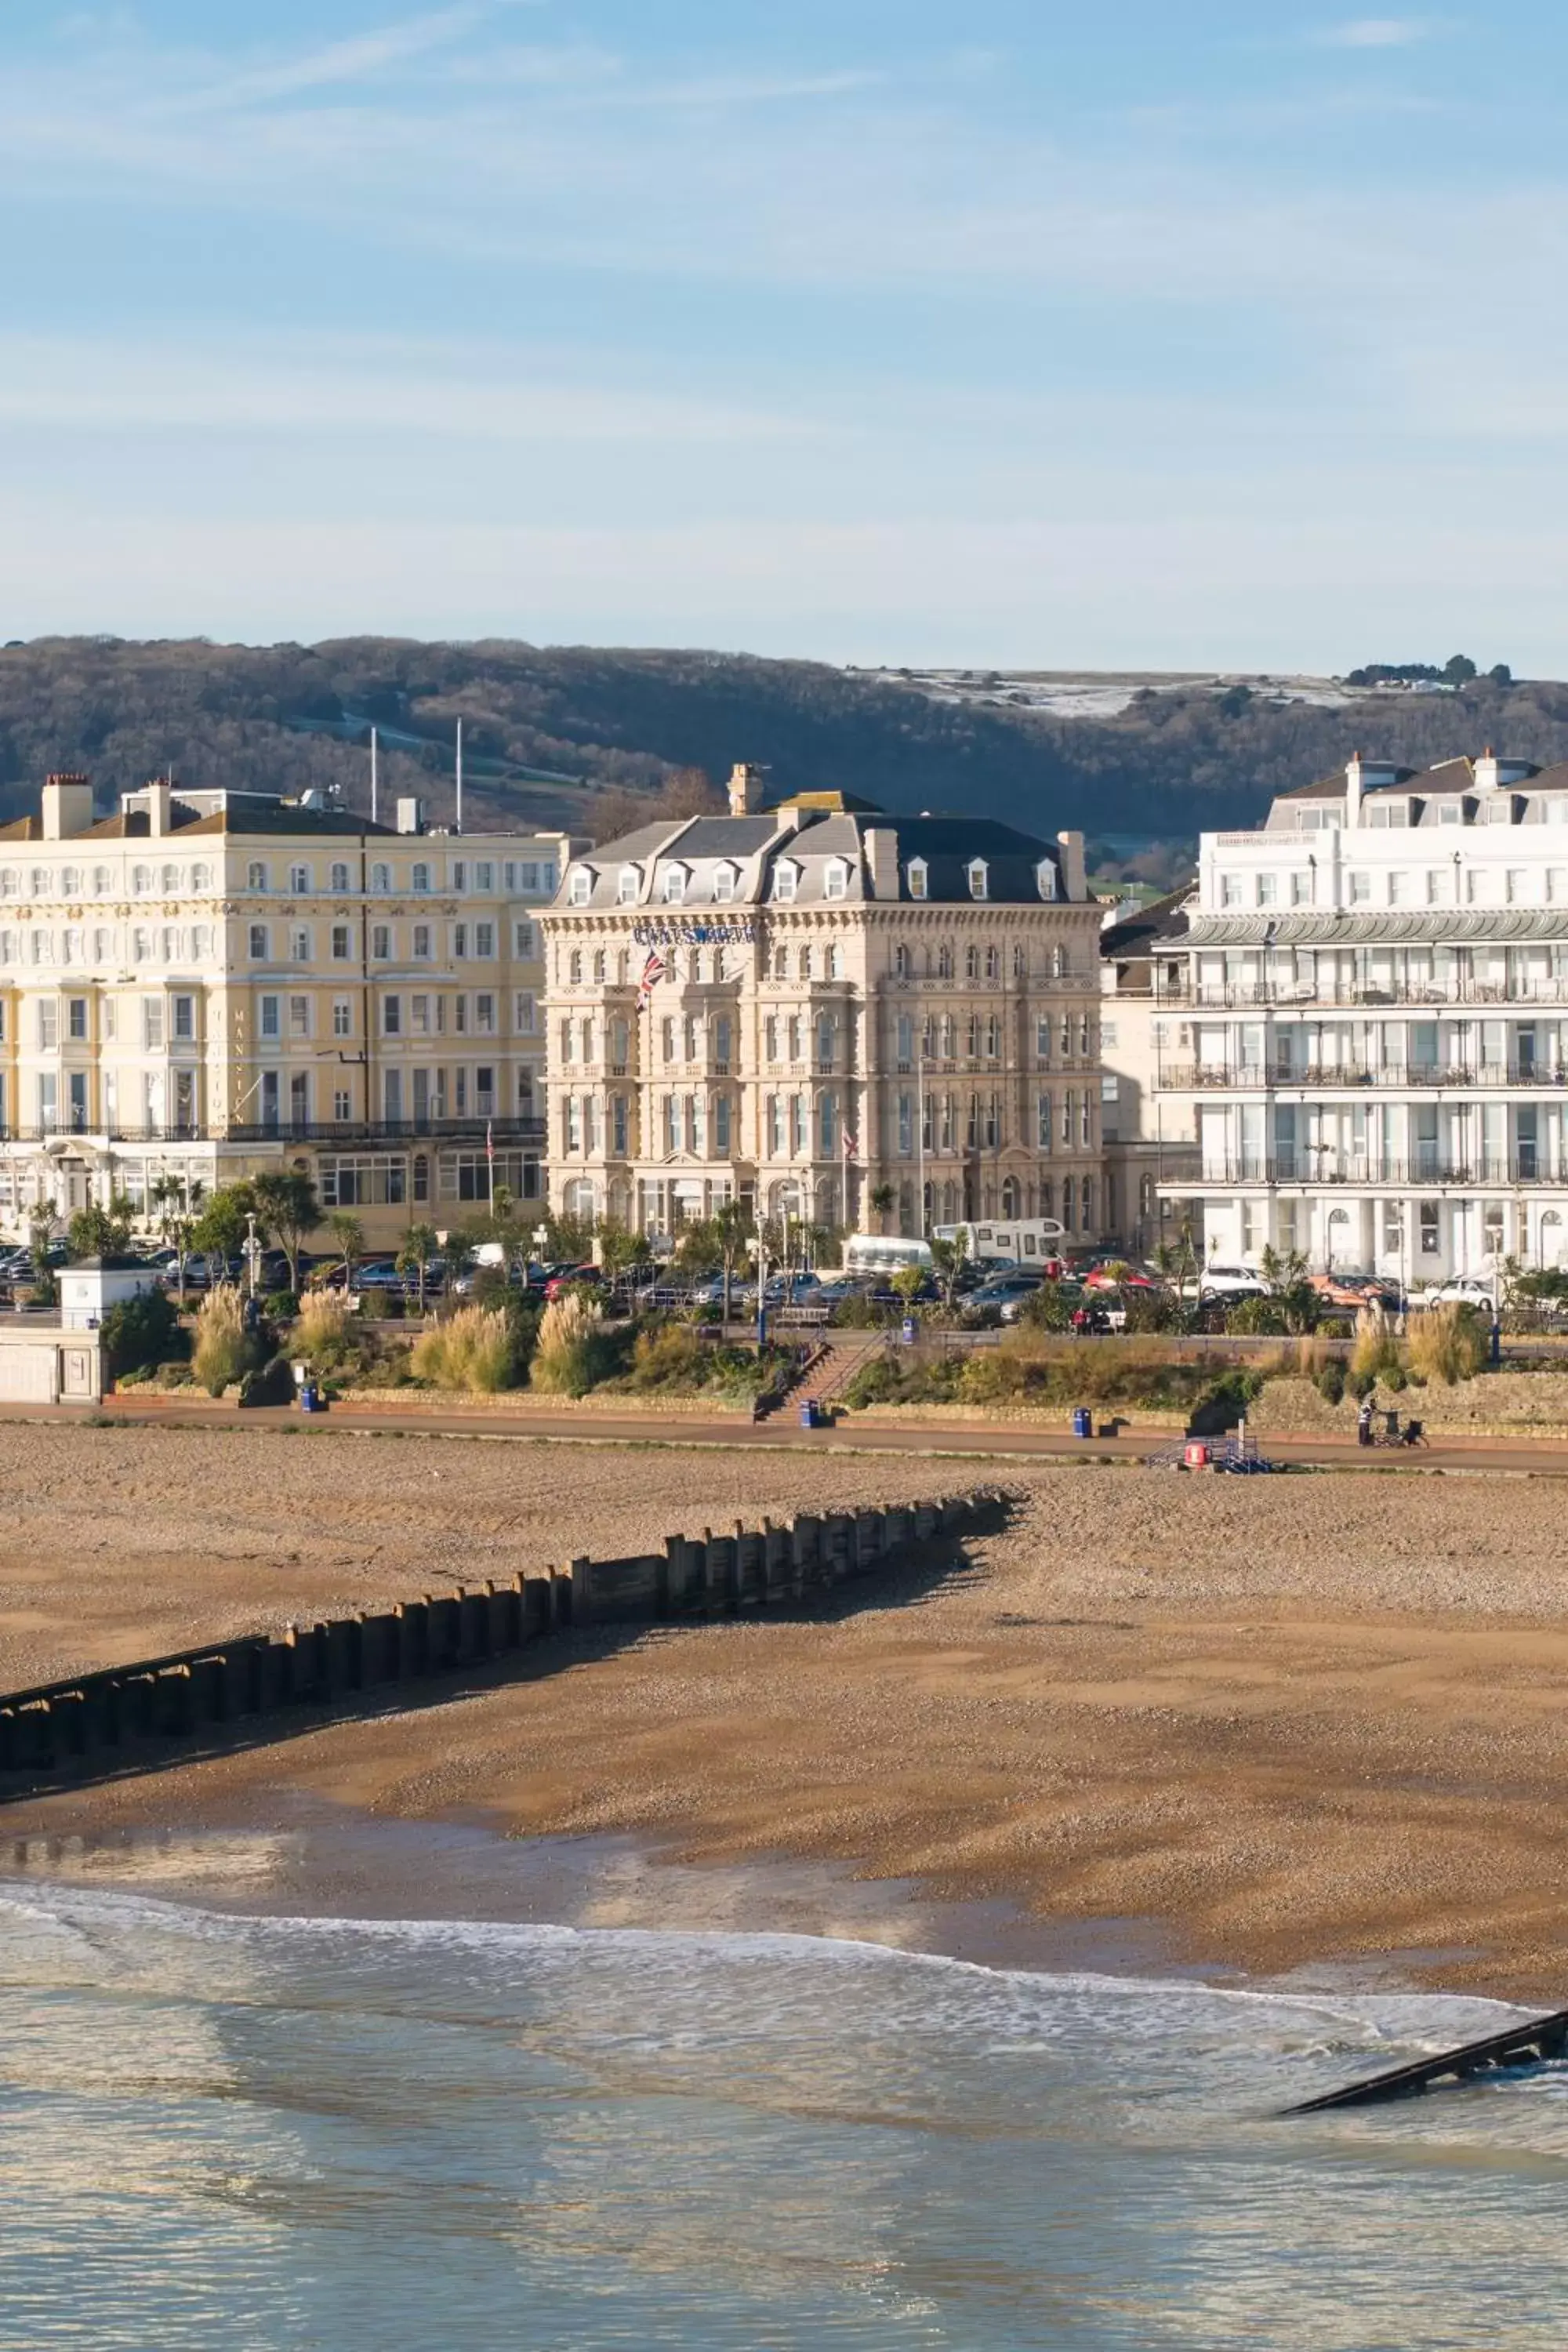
(1260,1724)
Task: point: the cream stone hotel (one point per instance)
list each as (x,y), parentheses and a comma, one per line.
(209,984)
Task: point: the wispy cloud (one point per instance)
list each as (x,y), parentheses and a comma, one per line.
(339,63)
(1377,33)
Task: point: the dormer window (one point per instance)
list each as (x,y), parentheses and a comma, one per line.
(674,885)
(1045,878)
(579,885)
(979,882)
(628,884)
(835,878)
(916,874)
(786,874)
(724,878)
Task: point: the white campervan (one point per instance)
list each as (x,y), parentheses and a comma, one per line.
(1028,1241)
(884,1254)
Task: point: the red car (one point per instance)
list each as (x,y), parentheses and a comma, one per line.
(1102,1278)
(571,1280)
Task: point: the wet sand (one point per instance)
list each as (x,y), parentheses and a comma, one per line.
(1252,1724)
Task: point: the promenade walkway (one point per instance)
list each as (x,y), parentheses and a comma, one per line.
(976,1440)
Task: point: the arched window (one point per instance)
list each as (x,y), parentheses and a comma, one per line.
(71,881)
(979,884)
(255,877)
(944,964)
(834,962)
(574,966)
(102,882)
(900,962)
(780,963)
(806,963)
(1058,964)
(340,876)
(916,876)
(420,879)
(1010,1202)
(201,876)
(993,964)
(599,963)
(1046,875)
(142,881)
(41,881)
(971,963)
(1020,963)
(380,880)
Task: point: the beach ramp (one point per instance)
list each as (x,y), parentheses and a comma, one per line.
(1532,2045)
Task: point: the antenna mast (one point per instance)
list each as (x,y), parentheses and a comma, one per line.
(460,776)
(372,776)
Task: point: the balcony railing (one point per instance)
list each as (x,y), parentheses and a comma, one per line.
(1192,1077)
(1241,996)
(1330,1169)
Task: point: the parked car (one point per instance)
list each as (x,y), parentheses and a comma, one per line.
(989,1304)
(1105,1277)
(1460,1290)
(1355,1291)
(574,1277)
(1217,1284)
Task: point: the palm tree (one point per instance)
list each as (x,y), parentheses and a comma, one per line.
(419,1249)
(348,1232)
(882,1197)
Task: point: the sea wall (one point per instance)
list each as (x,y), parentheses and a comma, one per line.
(120,1718)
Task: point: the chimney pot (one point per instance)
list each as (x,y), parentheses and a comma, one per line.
(65,806)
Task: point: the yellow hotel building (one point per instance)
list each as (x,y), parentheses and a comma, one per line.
(210,983)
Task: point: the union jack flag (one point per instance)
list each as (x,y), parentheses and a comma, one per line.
(653,972)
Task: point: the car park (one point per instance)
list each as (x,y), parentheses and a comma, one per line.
(1460,1290)
(1217,1284)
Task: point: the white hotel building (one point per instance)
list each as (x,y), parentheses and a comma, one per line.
(1369,1021)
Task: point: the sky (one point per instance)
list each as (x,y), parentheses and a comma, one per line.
(1151,335)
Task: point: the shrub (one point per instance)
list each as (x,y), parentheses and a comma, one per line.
(1449,1344)
(139,1332)
(1330,1381)
(1223,1402)
(225,1352)
(1257,1319)
(474,1349)
(269,1383)
(1376,1356)
(877,1383)
(280,1306)
(667,1357)
(1049,1308)
(567,1357)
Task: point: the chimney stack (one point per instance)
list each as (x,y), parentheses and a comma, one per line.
(65,806)
(411,816)
(1353,790)
(883,861)
(159,807)
(1487,772)
(1073,879)
(745,788)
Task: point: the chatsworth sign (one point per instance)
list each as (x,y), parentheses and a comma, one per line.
(694,935)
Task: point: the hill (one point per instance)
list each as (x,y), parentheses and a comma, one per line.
(548,729)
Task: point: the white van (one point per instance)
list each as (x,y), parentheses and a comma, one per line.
(1028,1241)
(883,1253)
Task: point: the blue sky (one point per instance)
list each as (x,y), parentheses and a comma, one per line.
(1150,335)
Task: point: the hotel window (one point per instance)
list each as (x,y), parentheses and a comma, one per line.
(917,876)
(975,1036)
(391,1016)
(523,1013)
(900,963)
(993,964)
(1069,1115)
(689,1038)
(1268,889)
(905,1125)
(460,948)
(672,1122)
(568,1037)
(795,1036)
(71,882)
(258,943)
(721,1124)
(271,1023)
(1434,886)
(992,1039)
(102,882)
(485,1092)
(340,877)
(1474,893)
(1451,811)
(484,877)
(298,880)
(381,942)
(1516,886)
(1230,889)
(1046,876)
(460,874)
(1557,885)
(1086,1121)
(723,885)
(800,1124)
(422,942)
(76,1018)
(835,878)
(1399,889)
(339,943)
(522,940)
(460,1015)
(1042,1122)
(255,879)
(806,963)
(546,875)
(674,885)
(835,963)
(979,880)
(600,968)
(626,883)
(419,880)
(530,876)
(771,1037)
(299,947)
(1361,890)
(419,1015)
(906,1043)
(48,1026)
(666,1038)
(574,967)
(380,880)
(343,1017)
(342,1103)
(1043,1038)
(185,1021)
(785,875)
(485,945)
(485,1015)
(774,1127)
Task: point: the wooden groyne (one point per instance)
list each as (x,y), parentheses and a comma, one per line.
(1536,2044)
(250,1688)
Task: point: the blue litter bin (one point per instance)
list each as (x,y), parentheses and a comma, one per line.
(809,1416)
(909,1330)
(1082,1421)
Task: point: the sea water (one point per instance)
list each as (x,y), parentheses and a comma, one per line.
(260,2135)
